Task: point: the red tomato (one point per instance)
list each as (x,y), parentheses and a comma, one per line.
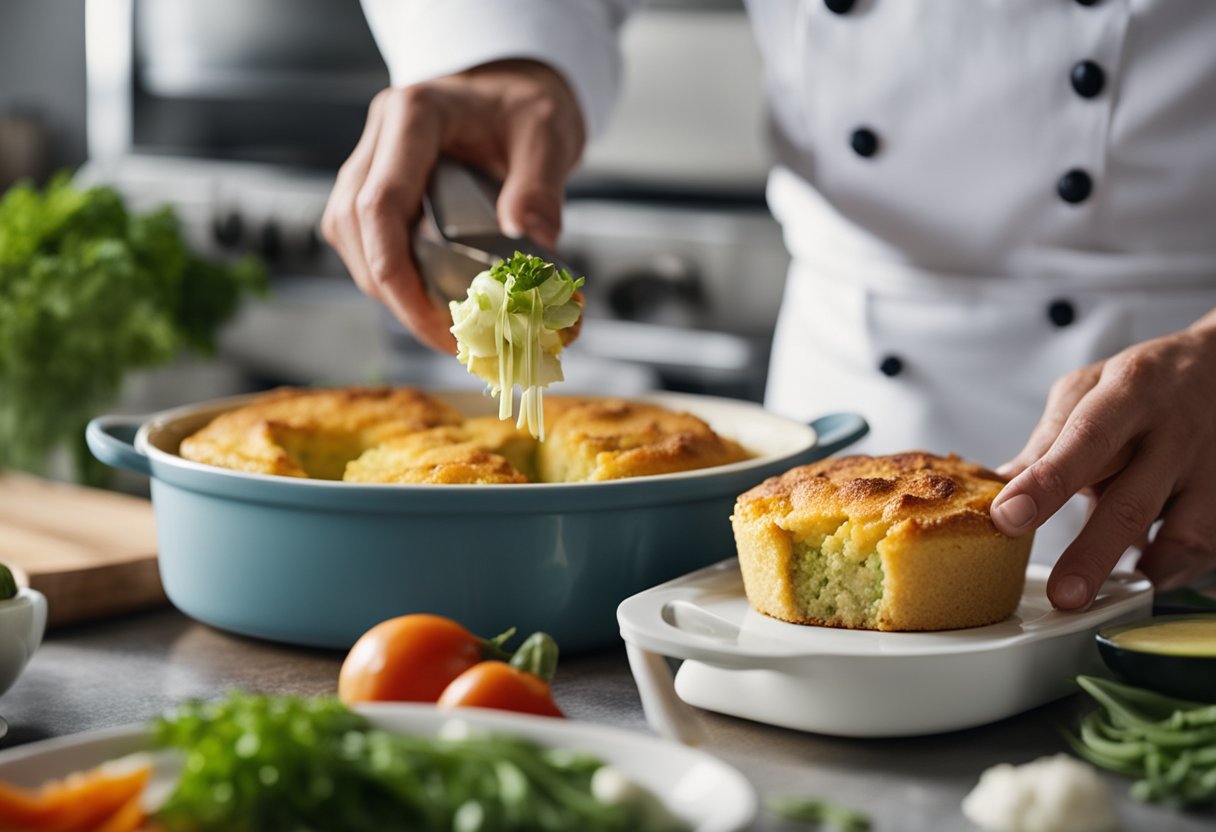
(498,685)
(411,658)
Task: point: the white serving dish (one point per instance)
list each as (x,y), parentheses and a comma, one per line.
(856,683)
(709,794)
(22,621)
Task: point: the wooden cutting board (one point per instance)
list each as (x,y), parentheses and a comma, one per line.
(91,552)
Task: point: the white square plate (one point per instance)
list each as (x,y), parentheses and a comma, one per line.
(857,683)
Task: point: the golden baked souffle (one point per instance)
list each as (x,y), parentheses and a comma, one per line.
(313,433)
(900,542)
(400,435)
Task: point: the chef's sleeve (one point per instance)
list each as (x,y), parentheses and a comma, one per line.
(423,39)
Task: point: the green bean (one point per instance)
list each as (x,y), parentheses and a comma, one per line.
(1205,756)
(1113,732)
(1091,735)
(1100,759)
(1158,705)
(1125,710)
(1194,718)
(1164,737)
(1169,744)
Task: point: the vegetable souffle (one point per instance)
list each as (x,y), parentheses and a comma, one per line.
(402,435)
(899,542)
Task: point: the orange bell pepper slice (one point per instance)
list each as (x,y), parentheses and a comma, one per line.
(82,802)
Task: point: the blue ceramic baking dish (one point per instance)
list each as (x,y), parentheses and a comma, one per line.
(317,562)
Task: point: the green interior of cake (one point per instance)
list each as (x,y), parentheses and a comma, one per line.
(838,576)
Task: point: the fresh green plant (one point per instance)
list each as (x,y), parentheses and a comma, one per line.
(1168,744)
(259,762)
(88,292)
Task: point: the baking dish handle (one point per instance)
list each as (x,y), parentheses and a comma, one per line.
(111,439)
(837,431)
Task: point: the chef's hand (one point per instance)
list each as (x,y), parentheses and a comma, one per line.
(1138,431)
(516,119)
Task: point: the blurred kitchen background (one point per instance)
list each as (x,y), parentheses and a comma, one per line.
(239,112)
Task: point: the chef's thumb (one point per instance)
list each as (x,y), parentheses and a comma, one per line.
(530,204)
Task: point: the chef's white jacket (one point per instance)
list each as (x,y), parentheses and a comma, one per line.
(978,195)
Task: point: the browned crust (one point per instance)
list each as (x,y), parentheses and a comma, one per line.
(913,485)
(257,437)
(607,439)
(445,455)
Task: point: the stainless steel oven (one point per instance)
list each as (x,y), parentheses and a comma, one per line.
(238,113)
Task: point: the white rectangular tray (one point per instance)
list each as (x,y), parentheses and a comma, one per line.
(856,683)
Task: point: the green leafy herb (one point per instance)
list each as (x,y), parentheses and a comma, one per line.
(265,763)
(529,272)
(88,292)
(1168,744)
(818,811)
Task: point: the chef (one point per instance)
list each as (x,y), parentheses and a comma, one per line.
(1001,214)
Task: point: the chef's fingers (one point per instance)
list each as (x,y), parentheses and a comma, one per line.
(1067,391)
(388,202)
(1092,446)
(339,223)
(543,144)
(1185,546)
(531,200)
(1120,519)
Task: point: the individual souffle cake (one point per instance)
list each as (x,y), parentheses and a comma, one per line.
(900,542)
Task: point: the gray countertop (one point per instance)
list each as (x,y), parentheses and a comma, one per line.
(126,670)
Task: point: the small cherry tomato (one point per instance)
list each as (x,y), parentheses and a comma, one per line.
(498,685)
(411,658)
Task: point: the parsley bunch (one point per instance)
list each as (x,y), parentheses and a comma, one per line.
(89,292)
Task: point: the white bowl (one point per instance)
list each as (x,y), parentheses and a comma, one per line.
(22,622)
